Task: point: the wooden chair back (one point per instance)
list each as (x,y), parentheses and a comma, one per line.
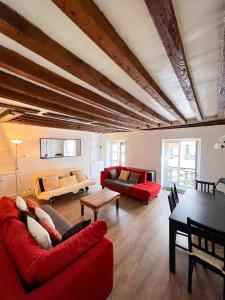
(175,193)
(172,201)
(208,239)
(204,186)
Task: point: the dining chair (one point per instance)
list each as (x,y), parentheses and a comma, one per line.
(208,252)
(204,186)
(175,193)
(173,204)
(220,181)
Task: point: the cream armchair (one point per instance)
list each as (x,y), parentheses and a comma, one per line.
(49,195)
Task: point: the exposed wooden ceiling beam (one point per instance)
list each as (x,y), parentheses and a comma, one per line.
(87,15)
(59,108)
(75,121)
(22,31)
(193,124)
(221,108)
(164,18)
(8,115)
(22,66)
(49,122)
(19,85)
(19,108)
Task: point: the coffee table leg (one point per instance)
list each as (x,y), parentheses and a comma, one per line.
(82,209)
(117,203)
(95,215)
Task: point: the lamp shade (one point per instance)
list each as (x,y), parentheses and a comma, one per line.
(16,141)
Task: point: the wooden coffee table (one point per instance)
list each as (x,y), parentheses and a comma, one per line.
(99,199)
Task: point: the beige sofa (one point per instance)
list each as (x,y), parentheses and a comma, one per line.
(60,191)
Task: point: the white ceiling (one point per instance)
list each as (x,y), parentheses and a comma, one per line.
(201,25)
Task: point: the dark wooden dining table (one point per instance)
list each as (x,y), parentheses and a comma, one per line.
(205,208)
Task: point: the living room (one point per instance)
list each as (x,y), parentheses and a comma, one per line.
(112,138)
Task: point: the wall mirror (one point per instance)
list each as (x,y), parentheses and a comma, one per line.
(56,148)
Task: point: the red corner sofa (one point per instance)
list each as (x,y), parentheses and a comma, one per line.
(78,268)
(144,190)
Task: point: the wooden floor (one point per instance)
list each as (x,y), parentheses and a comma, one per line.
(140,238)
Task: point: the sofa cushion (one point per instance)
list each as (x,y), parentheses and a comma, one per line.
(113,174)
(146,190)
(67,181)
(55,236)
(61,224)
(41,186)
(50,183)
(124,175)
(39,233)
(80,176)
(37,265)
(75,229)
(8,210)
(119,183)
(24,214)
(21,203)
(31,204)
(133,178)
(42,215)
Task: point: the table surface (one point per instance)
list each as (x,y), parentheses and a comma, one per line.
(204,208)
(99,198)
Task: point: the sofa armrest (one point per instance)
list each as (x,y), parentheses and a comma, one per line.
(89,277)
(102,178)
(53,261)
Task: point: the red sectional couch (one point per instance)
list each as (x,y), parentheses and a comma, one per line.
(79,268)
(144,190)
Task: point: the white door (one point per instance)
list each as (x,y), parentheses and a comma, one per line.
(180,163)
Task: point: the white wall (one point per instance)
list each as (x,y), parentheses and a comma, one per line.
(143,149)
(31,148)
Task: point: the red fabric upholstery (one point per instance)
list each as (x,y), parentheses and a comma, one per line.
(37,265)
(143,173)
(89,277)
(8,210)
(143,190)
(55,236)
(31,205)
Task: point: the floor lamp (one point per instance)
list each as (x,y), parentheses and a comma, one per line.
(16,142)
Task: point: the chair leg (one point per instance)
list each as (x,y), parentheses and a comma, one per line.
(190,272)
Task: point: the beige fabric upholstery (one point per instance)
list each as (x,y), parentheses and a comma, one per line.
(60,191)
(50,183)
(124,175)
(80,176)
(208,258)
(67,181)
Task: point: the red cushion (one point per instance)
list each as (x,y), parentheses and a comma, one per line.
(146,190)
(8,209)
(55,236)
(36,264)
(31,204)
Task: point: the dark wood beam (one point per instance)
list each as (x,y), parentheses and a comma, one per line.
(75,121)
(194,124)
(59,108)
(87,15)
(49,122)
(18,108)
(164,18)
(19,85)
(25,33)
(221,108)
(22,66)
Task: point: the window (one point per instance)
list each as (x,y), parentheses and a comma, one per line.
(116,153)
(179,162)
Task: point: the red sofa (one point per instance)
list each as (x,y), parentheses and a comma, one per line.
(80,268)
(144,190)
